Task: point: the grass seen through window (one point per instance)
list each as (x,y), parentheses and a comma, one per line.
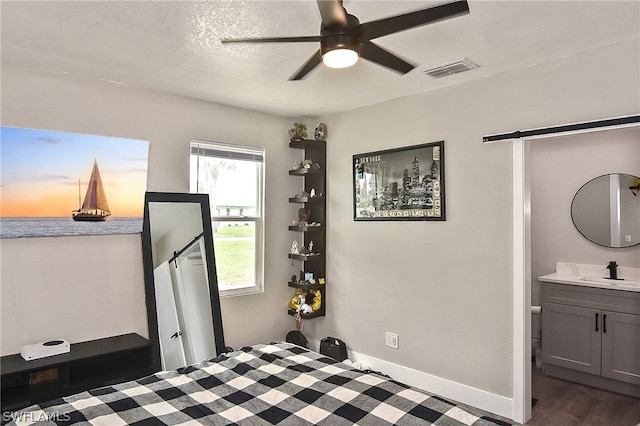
(234,247)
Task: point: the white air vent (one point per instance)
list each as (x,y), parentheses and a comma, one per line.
(464,64)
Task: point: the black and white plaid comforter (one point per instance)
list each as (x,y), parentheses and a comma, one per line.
(277,383)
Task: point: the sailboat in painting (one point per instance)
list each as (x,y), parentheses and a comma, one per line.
(95,207)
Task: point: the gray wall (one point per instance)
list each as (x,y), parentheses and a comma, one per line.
(444,287)
(36,99)
(74,288)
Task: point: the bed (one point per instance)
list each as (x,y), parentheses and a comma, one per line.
(276,383)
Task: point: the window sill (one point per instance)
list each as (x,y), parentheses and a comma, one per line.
(239,291)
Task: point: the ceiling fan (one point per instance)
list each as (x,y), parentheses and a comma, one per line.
(343,39)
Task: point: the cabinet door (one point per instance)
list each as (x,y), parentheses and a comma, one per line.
(571,337)
(621,347)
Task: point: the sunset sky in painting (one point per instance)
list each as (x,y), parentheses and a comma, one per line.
(41,170)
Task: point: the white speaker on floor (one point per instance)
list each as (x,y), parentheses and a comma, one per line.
(45,349)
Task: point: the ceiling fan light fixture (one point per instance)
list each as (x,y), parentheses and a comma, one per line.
(343,38)
(339,49)
(340,58)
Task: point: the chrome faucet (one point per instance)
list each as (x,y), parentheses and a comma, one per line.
(613,270)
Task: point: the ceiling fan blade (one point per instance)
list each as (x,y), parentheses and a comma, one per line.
(303,39)
(311,63)
(380,56)
(332,13)
(394,24)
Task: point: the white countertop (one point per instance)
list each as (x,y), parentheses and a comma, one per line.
(594,276)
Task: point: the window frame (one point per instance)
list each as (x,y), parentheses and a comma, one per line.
(246,152)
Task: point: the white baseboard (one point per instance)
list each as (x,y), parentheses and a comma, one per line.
(486,401)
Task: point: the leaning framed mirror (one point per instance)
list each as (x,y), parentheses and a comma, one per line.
(181,286)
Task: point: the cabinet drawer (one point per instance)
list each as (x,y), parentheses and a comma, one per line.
(627,302)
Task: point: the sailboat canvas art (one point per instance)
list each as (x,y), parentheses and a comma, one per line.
(60,184)
(95,206)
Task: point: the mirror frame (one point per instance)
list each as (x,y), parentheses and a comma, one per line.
(582,231)
(147,260)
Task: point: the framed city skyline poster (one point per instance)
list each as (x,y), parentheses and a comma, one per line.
(400,184)
(59,184)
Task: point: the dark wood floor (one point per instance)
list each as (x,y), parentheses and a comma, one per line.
(563,403)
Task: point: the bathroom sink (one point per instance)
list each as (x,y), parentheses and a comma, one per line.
(625,282)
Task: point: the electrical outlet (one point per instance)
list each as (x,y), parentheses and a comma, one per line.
(627,238)
(392,340)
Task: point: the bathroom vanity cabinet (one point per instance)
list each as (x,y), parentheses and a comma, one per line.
(592,336)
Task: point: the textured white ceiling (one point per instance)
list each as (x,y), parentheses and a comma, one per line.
(174,46)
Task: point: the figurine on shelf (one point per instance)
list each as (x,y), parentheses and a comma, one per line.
(317,300)
(294,303)
(307,163)
(303,217)
(296,165)
(304,308)
(299,302)
(311,247)
(294,247)
(321,132)
(294,279)
(312,194)
(321,281)
(298,131)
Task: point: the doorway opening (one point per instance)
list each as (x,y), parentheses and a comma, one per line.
(523,268)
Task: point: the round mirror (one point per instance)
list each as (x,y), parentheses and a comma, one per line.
(606,210)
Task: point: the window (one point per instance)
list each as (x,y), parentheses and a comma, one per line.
(233,176)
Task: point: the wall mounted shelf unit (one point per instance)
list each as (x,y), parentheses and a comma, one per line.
(305,228)
(314,179)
